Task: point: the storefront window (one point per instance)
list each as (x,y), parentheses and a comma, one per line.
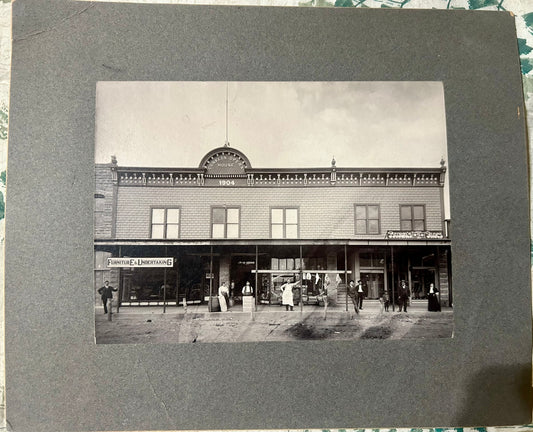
(372,260)
(365,260)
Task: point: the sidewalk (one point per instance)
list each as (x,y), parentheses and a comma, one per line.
(269,323)
(417,306)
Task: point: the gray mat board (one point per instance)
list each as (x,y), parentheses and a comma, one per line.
(57,379)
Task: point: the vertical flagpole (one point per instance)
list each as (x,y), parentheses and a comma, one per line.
(227,142)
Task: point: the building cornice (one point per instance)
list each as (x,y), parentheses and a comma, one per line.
(279,177)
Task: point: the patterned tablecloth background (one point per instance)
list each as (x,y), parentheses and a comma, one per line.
(521,9)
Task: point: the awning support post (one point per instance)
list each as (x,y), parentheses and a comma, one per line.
(393,281)
(346,275)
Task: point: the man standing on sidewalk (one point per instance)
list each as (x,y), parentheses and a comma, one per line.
(360,293)
(106,292)
(352,293)
(403,296)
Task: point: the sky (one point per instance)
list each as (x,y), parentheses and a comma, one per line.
(275,124)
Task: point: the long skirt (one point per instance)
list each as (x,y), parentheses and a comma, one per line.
(223,304)
(433,303)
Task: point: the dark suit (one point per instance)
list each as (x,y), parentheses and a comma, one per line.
(360,294)
(354,295)
(403,297)
(106,292)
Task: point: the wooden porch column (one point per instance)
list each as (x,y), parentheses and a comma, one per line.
(346,275)
(120,289)
(165,286)
(301,282)
(393,282)
(256,274)
(210,275)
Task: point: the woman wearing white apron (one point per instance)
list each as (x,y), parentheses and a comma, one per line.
(287,298)
(223,293)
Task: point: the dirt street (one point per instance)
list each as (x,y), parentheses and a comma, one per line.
(200,327)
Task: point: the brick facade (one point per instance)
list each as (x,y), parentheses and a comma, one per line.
(103,202)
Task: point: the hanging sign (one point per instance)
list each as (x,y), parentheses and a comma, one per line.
(414,235)
(140,262)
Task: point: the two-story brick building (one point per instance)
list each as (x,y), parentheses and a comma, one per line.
(227,221)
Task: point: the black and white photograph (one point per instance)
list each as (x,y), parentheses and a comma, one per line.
(271,211)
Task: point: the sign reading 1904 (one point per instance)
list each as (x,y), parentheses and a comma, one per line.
(226,182)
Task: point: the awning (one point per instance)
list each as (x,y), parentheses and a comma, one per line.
(272,242)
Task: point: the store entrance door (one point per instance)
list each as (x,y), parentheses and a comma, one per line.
(373,284)
(421,278)
(196,278)
(241,272)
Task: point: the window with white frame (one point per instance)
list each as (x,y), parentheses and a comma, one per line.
(284,222)
(165,223)
(225,222)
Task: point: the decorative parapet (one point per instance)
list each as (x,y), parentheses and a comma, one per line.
(147,178)
(329,177)
(228,167)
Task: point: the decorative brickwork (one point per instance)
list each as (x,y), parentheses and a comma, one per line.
(103,208)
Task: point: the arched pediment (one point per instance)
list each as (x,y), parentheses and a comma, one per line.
(225,161)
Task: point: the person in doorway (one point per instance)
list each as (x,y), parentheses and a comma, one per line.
(223,296)
(286,296)
(247,289)
(433,299)
(360,294)
(354,296)
(403,296)
(106,292)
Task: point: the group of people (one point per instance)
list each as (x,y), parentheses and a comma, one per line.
(224,293)
(357,293)
(287,298)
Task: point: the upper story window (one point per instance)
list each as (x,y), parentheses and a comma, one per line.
(165,223)
(225,222)
(284,222)
(412,218)
(367,219)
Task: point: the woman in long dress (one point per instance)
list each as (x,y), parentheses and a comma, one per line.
(223,292)
(286,297)
(433,299)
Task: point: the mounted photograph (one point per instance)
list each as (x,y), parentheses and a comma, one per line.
(271,211)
